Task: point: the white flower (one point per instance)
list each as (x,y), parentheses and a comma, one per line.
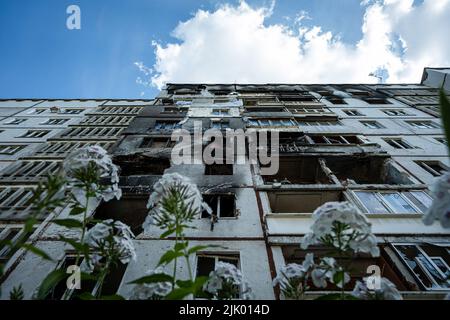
(326,271)
(440,208)
(97,156)
(387,291)
(357,234)
(163,189)
(292,274)
(226,275)
(110,235)
(149,291)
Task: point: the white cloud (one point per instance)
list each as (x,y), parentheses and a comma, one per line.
(234,44)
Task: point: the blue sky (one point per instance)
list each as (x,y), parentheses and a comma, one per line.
(41,58)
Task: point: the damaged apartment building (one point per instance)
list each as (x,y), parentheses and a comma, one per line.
(377,146)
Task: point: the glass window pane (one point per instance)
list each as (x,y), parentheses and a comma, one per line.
(397,203)
(371,202)
(420,199)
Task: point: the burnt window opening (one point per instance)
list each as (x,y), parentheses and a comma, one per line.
(217,169)
(158,142)
(367,170)
(131,210)
(141,165)
(222,205)
(358,265)
(297,170)
(301,201)
(435,168)
(428,263)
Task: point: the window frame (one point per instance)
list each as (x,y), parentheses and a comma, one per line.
(386,204)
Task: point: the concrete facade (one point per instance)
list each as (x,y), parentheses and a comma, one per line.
(377,146)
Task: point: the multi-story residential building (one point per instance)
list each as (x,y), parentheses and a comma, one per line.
(376,146)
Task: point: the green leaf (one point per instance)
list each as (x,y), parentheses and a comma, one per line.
(76,210)
(78,246)
(86,296)
(69,223)
(169,256)
(157,277)
(181,246)
(36,251)
(445,115)
(166,233)
(52,279)
(178,294)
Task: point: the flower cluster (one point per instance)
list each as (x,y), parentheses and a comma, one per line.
(110,239)
(226,282)
(328,270)
(440,209)
(87,165)
(174,199)
(293,277)
(386,291)
(151,291)
(342,226)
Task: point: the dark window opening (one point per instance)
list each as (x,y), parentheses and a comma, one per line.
(140,165)
(216,169)
(157,143)
(297,170)
(130,210)
(301,201)
(222,205)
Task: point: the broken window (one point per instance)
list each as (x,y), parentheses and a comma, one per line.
(216,169)
(34,134)
(434,168)
(141,165)
(428,263)
(372,124)
(131,210)
(206,263)
(352,112)
(10,149)
(301,201)
(423,124)
(366,170)
(157,142)
(298,170)
(222,205)
(393,201)
(398,143)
